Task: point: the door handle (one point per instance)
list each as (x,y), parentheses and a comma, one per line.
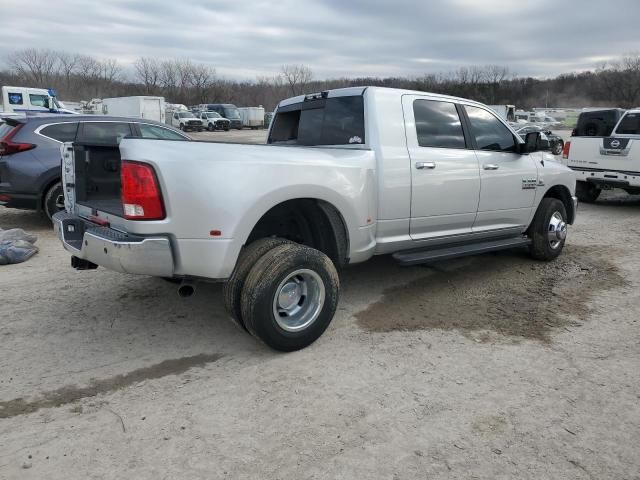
(427,165)
(490,166)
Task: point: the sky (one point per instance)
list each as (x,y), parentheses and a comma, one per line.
(335,38)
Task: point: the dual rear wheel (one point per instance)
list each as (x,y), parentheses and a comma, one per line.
(283,293)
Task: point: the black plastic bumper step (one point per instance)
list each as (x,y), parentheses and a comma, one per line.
(416,257)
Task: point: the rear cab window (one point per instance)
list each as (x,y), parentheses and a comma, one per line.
(320,121)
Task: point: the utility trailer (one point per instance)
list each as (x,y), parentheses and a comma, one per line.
(150,108)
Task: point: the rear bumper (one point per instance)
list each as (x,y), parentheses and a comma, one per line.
(114,250)
(611,179)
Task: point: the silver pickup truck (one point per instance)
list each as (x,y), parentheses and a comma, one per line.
(346,174)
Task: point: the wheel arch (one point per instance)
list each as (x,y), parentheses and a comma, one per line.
(312,221)
(562,193)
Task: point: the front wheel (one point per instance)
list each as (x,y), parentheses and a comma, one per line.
(182,128)
(290,296)
(53,200)
(548,231)
(587,192)
(210,127)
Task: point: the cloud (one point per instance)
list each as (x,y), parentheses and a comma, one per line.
(334,37)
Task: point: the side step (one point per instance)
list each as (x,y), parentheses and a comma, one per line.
(416,257)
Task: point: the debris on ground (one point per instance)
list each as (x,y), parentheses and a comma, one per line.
(16,246)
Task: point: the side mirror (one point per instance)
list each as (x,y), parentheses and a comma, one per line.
(531,142)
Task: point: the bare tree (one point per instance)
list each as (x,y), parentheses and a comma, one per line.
(148,71)
(202,79)
(68,64)
(297,76)
(37,66)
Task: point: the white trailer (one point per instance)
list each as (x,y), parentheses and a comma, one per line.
(252,117)
(151,108)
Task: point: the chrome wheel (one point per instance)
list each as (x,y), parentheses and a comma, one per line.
(557,230)
(298,300)
(60,202)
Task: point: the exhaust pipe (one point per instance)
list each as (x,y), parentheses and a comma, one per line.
(187,289)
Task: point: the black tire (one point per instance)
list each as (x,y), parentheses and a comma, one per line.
(297,265)
(558,147)
(542,247)
(226,129)
(210,127)
(53,200)
(182,128)
(232,289)
(587,192)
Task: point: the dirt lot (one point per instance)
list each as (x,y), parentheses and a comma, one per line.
(487,367)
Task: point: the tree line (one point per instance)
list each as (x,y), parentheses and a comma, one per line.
(81,77)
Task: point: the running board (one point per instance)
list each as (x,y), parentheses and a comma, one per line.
(415,257)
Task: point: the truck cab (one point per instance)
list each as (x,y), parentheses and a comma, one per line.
(22,100)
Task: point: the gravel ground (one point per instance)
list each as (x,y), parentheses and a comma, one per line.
(488,367)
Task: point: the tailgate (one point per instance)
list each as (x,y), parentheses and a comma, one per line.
(617,154)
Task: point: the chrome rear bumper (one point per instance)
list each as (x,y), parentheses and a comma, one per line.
(113,249)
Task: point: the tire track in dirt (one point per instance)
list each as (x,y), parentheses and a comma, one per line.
(506,293)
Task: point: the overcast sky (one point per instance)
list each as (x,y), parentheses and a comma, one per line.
(336,38)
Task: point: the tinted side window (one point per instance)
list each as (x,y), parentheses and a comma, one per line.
(630,124)
(62,132)
(438,124)
(104,132)
(154,131)
(489,132)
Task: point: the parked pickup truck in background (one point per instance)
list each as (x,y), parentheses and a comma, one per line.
(185,121)
(347,174)
(609,161)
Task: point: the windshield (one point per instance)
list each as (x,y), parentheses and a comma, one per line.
(331,121)
(232,113)
(213,115)
(186,115)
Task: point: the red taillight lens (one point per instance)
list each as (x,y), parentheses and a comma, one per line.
(141,196)
(565,150)
(8,147)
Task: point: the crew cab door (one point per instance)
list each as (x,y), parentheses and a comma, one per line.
(508,180)
(445,179)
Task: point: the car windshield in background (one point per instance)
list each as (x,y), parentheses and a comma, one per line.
(186,115)
(232,113)
(213,115)
(330,121)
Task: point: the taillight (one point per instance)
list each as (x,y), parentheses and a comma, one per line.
(565,150)
(8,146)
(141,196)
